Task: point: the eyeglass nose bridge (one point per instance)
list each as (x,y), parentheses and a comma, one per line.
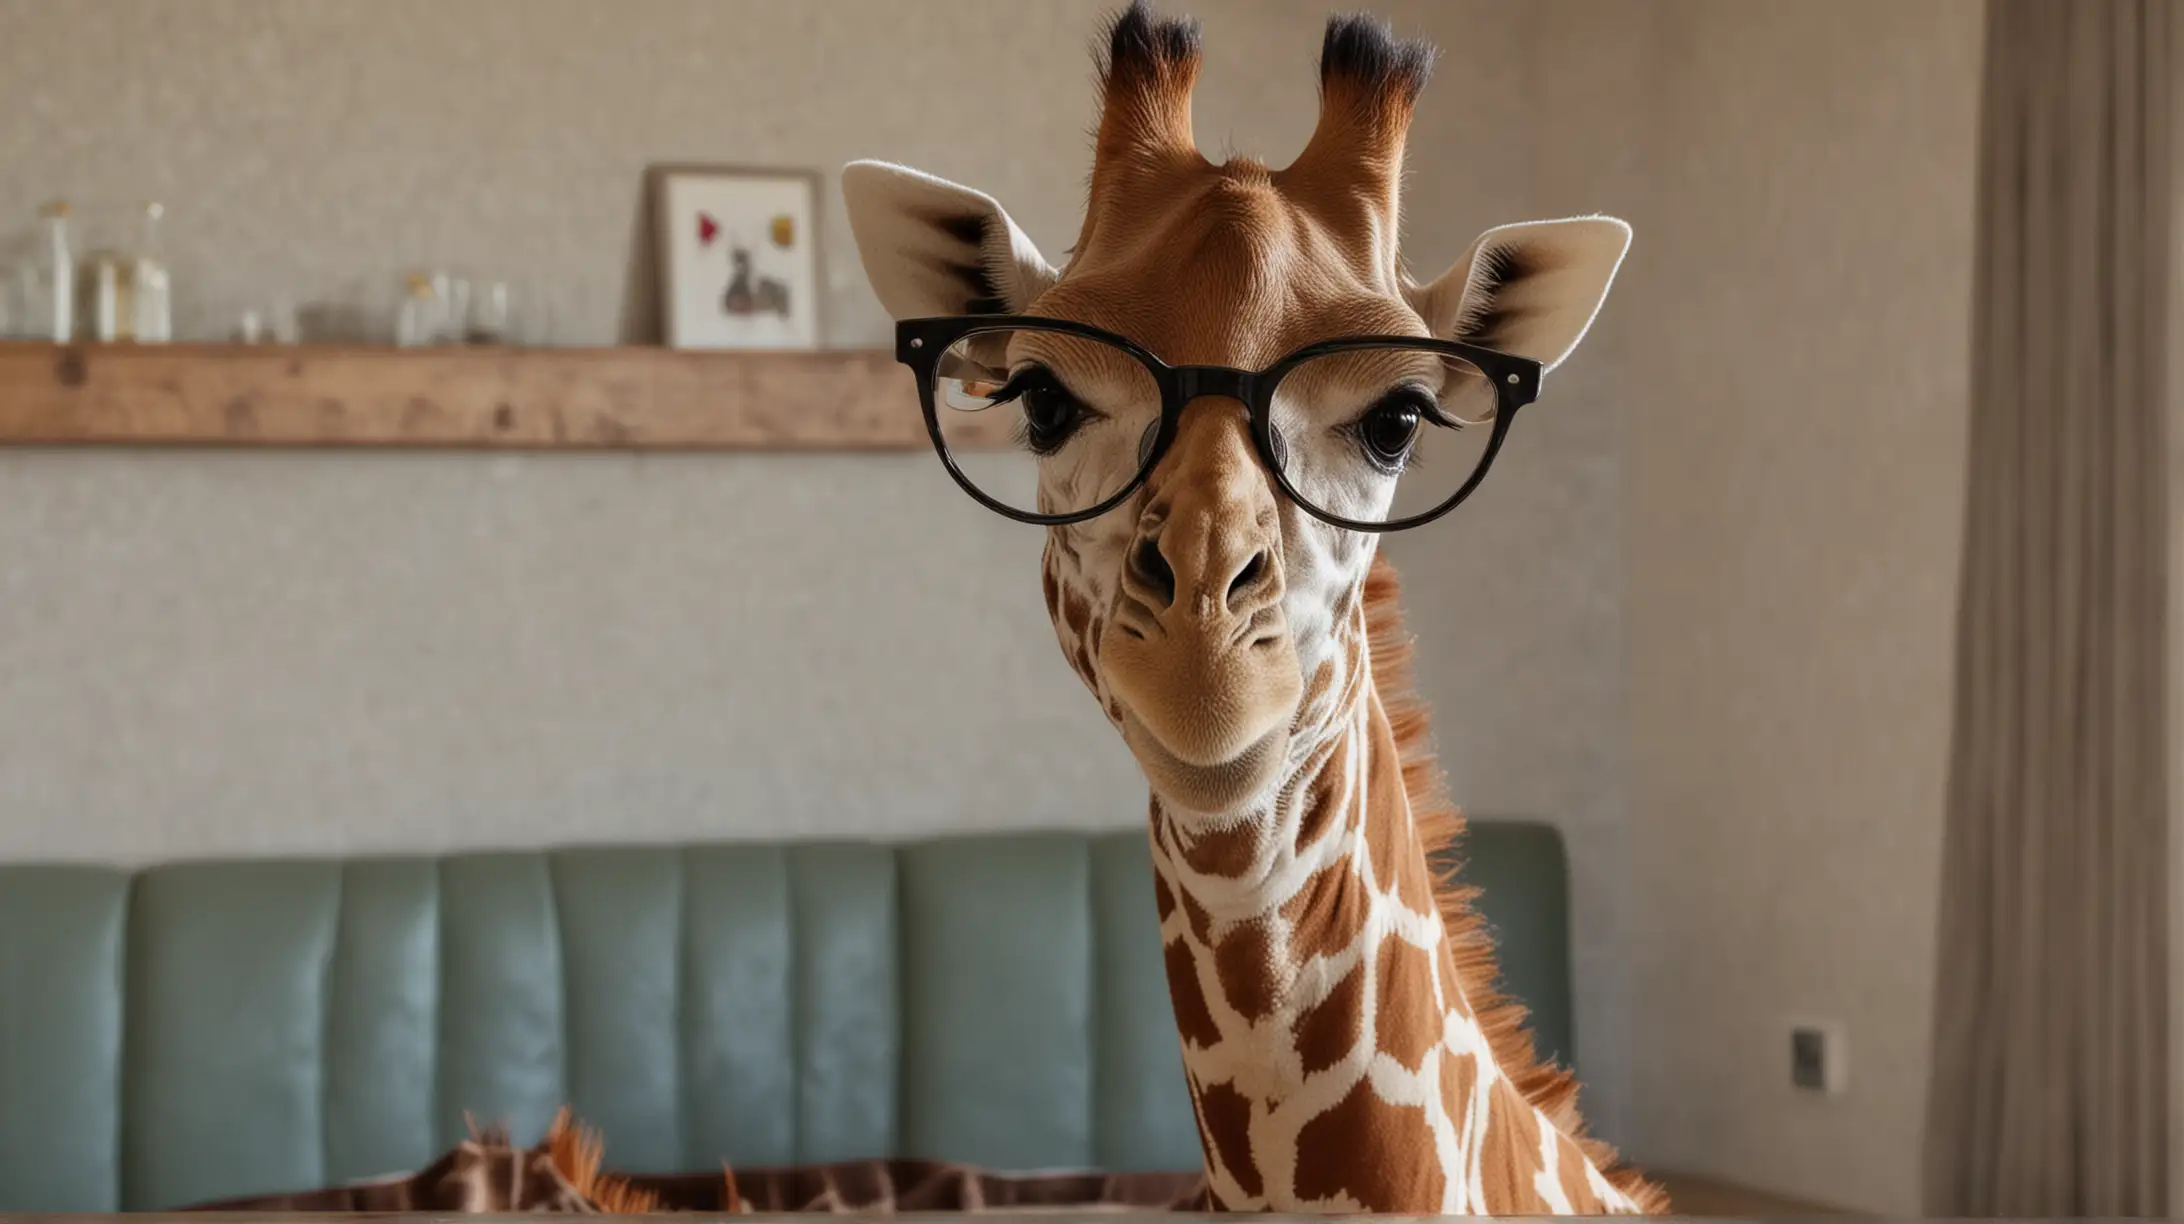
(1228,382)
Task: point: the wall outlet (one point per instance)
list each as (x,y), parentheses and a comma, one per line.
(1819,1057)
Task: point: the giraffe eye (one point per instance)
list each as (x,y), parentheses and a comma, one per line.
(1389,428)
(1051,414)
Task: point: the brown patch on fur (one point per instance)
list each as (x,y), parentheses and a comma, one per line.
(1414,887)
(1321,800)
(1228,1124)
(1440,829)
(1459,1079)
(1226,853)
(1570,1166)
(1328,1146)
(1325,915)
(1201,922)
(1389,841)
(1509,1158)
(1193,1019)
(1076,613)
(1404,1012)
(1163,898)
(1332,1027)
(1320,803)
(1244,964)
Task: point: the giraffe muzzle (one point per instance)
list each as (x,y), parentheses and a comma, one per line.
(1199,650)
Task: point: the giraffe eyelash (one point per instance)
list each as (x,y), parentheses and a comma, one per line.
(1035,378)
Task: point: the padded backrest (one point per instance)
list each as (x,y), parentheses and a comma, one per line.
(204,1031)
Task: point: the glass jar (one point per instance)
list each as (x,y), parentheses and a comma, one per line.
(152,316)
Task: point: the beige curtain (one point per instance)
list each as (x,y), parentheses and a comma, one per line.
(2049,1089)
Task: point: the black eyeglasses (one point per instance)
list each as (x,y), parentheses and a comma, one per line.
(1369,433)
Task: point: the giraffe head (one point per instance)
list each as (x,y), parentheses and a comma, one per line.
(1211,602)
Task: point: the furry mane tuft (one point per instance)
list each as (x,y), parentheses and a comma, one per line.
(576,1151)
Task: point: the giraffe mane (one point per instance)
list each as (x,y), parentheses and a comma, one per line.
(576,1151)
(1550,1088)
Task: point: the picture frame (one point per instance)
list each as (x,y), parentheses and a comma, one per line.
(738,249)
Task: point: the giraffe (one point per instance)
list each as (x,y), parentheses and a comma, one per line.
(1342,1039)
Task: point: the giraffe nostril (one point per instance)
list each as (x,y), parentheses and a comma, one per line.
(1247,577)
(1152,571)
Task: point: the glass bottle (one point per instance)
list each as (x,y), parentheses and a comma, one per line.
(59,280)
(152,320)
(104,292)
(418,322)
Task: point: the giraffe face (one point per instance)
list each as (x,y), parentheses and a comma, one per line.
(1212,617)
(1202,610)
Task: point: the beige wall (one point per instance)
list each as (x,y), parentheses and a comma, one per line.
(1699,618)
(1797,380)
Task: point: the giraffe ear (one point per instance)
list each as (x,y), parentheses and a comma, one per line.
(1529,289)
(931,247)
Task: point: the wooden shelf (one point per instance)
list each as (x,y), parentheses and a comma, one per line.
(647,399)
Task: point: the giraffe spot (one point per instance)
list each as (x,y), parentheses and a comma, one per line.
(1051,587)
(1244,965)
(1198,1119)
(1346,607)
(1380,1155)
(1459,1079)
(1330,1029)
(1201,922)
(1226,852)
(1570,1164)
(1326,915)
(1405,1015)
(1322,801)
(1228,1123)
(1076,613)
(1388,837)
(1192,1017)
(1163,897)
(1509,1160)
(1414,886)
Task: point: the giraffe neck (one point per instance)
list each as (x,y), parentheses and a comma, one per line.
(1334,1058)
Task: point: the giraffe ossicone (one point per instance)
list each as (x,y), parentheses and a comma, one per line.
(1333,990)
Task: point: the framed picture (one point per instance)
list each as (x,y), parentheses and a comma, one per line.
(739,251)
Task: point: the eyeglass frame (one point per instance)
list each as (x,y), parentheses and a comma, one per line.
(920,342)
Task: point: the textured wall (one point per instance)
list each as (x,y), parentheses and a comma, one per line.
(1797,386)
(220,653)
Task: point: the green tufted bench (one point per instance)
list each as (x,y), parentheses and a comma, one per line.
(210,1030)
